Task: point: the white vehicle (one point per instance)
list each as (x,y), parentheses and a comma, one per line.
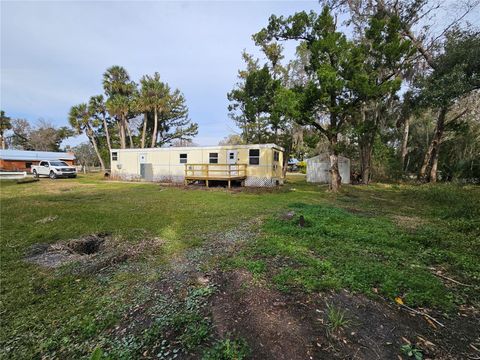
(54,169)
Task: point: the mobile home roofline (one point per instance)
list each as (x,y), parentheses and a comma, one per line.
(225,147)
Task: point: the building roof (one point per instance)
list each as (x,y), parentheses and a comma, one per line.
(186,148)
(24,155)
(324,157)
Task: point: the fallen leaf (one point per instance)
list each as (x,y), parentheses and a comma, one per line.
(399,300)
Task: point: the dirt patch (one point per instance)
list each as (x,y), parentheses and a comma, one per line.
(88,253)
(87,245)
(261,317)
(194,267)
(281,326)
(408,222)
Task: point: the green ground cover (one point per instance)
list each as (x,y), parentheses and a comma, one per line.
(382,240)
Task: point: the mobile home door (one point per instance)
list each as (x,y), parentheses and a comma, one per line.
(232,156)
(146,169)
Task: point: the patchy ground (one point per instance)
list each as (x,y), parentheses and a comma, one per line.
(280,326)
(89,253)
(130,271)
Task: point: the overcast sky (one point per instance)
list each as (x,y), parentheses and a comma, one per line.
(53,54)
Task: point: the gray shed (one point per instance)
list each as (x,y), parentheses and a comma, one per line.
(318,169)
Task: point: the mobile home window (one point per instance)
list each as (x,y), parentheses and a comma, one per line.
(276,156)
(254,156)
(183,158)
(213,158)
(114,156)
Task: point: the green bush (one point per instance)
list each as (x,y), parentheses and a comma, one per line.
(302,167)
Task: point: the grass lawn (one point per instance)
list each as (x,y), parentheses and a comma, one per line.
(384,241)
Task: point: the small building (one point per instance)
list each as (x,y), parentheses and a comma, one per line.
(248,165)
(318,169)
(22,160)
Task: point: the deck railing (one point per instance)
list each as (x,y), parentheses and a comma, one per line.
(215,171)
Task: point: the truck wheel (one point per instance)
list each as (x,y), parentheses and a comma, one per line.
(35,175)
(52,175)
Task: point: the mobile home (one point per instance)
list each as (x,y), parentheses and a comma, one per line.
(249,165)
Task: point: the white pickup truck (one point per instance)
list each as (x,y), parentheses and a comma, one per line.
(54,169)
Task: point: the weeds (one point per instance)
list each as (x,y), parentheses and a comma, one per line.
(411,351)
(227,349)
(345,250)
(336,319)
(178,327)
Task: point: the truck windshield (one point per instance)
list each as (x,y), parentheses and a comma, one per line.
(58,163)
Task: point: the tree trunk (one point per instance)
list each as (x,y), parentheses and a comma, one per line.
(426,162)
(129,132)
(433,171)
(107,134)
(433,148)
(155,128)
(365,144)
(366,160)
(3,141)
(286,155)
(335,178)
(403,156)
(123,143)
(246,134)
(437,142)
(144,130)
(91,135)
(437,138)
(259,133)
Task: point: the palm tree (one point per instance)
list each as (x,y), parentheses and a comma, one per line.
(81,120)
(118,106)
(120,91)
(153,97)
(143,105)
(97,107)
(5,124)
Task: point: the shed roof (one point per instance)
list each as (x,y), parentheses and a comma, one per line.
(324,157)
(25,155)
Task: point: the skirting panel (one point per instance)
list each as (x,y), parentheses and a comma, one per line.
(250,181)
(261,181)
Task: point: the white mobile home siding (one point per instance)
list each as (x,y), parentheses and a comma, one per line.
(163,164)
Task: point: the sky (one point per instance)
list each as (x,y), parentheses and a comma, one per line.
(53,54)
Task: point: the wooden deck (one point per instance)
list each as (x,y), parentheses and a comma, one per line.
(215,172)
